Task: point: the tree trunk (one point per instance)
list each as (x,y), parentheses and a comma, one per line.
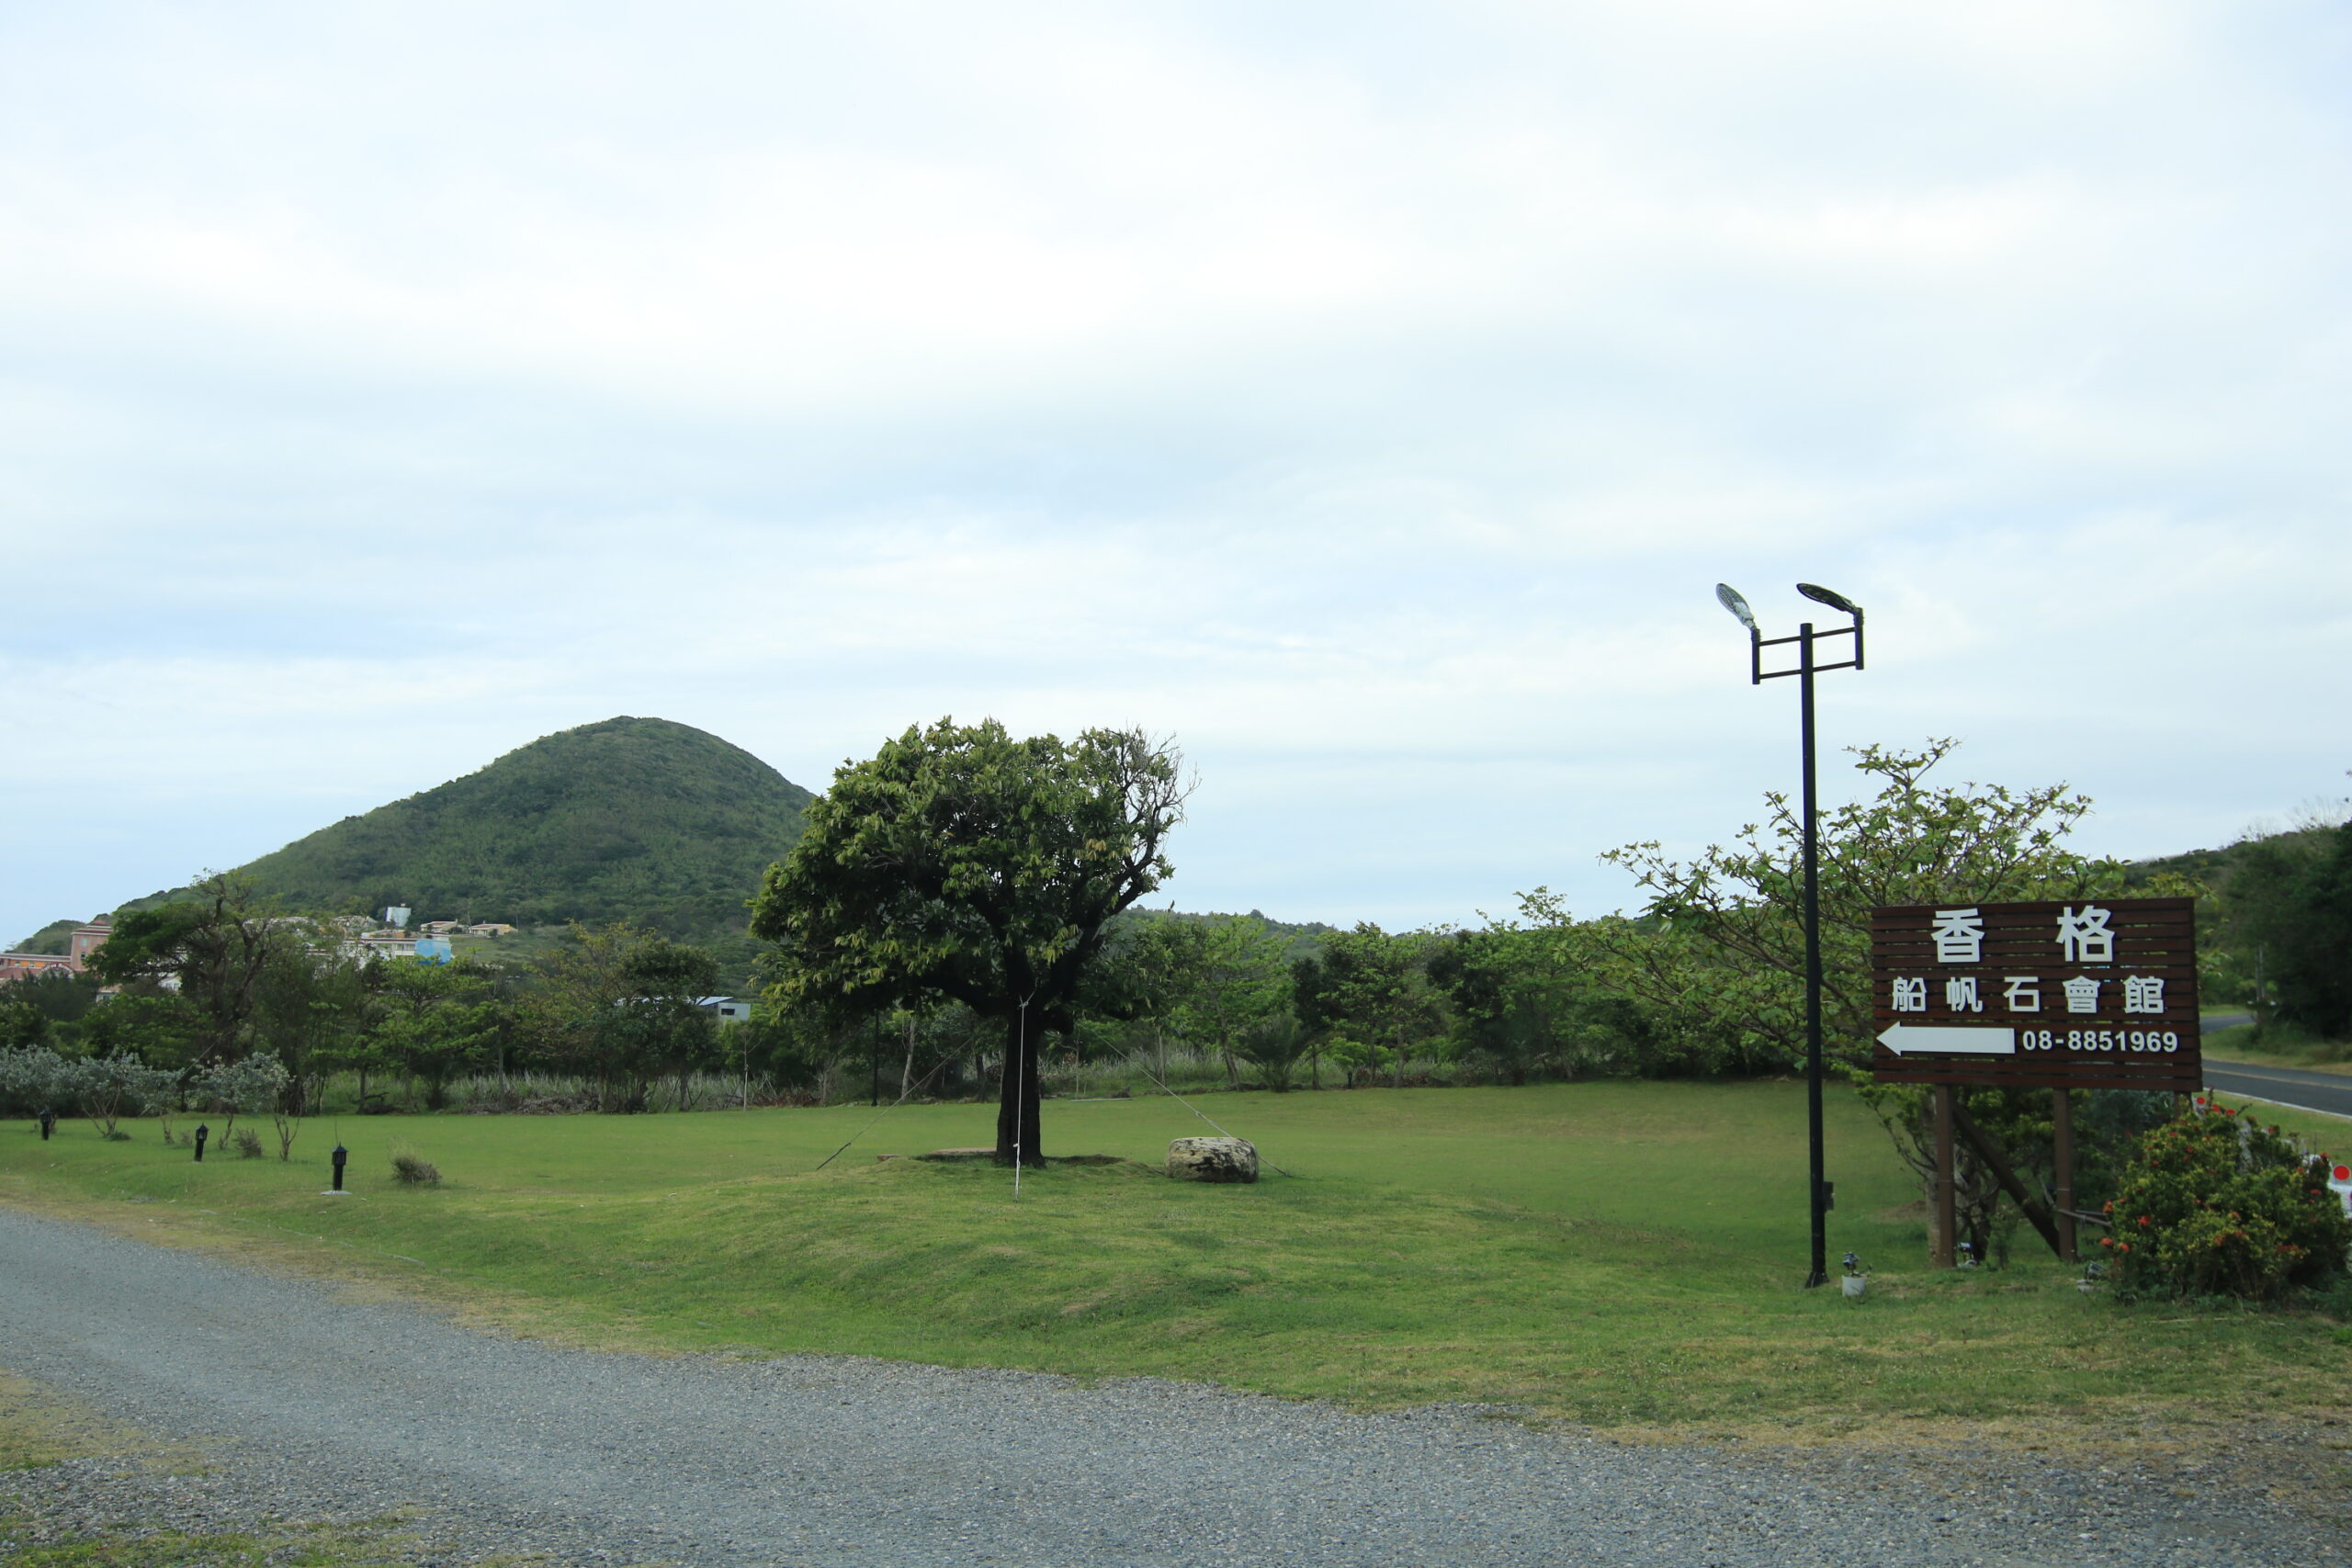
(907,1073)
(1016,1115)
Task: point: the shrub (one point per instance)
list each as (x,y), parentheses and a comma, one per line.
(248,1144)
(414,1171)
(2218,1205)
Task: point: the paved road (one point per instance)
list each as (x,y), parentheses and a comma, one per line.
(2331,1092)
(323,1405)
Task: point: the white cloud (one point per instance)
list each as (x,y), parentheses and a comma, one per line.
(1373,397)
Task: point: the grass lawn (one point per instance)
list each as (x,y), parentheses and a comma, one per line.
(1624,1255)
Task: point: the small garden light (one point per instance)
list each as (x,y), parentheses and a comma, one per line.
(48,1124)
(203,1133)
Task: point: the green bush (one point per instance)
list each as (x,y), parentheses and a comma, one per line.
(413,1171)
(2216,1205)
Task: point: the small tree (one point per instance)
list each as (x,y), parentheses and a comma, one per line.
(35,1078)
(1722,944)
(573,1016)
(157,1092)
(1368,995)
(102,1087)
(433,1020)
(251,1086)
(666,1027)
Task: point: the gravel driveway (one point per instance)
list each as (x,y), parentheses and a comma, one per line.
(321,1406)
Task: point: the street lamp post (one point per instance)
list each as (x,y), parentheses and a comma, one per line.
(1806,668)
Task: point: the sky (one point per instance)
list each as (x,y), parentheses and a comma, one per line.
(1367,396)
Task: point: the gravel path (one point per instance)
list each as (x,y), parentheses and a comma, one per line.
(321,1406)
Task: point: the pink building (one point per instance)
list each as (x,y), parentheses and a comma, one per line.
(85,941)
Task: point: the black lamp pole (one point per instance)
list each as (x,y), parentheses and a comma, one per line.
(1806,668)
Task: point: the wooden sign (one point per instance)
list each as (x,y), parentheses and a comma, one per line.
(2096,993)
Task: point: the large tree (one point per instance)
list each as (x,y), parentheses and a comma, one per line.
(961,863)
(215,946)
(2288,917)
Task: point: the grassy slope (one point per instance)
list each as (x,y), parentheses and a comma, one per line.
(1623,1255)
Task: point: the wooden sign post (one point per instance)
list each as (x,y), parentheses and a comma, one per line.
(2062,995)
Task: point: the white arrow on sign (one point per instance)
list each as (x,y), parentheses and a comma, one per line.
(1941,1040)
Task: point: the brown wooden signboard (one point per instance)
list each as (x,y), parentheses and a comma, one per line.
(2098,993)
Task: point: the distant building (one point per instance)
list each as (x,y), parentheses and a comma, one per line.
(87,939)
(731,1010)
(382,944)
(490,929)
(83,941)
(442,928)
(17,966)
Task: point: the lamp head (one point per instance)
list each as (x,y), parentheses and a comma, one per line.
(1729,598)
(1831,597)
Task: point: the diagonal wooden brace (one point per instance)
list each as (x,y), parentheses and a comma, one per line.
(2030,1205)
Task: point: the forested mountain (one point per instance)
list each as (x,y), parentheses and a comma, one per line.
(633,819)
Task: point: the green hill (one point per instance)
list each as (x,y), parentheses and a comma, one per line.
(633,819)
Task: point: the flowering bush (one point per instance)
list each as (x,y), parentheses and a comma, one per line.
(2218,1205)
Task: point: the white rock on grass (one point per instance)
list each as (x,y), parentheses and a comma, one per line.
(1213,1159)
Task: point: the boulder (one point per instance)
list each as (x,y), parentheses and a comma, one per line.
(1213,1159)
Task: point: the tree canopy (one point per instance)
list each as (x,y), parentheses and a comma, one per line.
(961,863)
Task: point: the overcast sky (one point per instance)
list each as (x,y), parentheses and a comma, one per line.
(1369,395)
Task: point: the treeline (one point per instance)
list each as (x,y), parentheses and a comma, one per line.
(220,978)
(1705,979)
(2277,933)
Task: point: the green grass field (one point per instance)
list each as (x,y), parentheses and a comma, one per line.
(1627,1255)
